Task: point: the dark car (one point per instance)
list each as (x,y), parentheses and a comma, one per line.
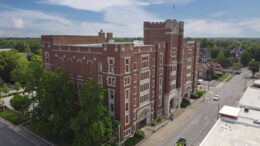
(238,72)
(181,142)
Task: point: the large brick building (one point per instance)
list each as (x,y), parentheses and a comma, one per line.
(144,80)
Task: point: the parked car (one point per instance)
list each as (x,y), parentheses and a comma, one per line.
(238,72)
(256,122)
(181,142)
(216,97)
(200,81)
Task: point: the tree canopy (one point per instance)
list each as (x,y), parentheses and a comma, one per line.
(92,125)
(20,103)
(214,51)
(253,66)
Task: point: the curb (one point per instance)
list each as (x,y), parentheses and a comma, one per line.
(34,134)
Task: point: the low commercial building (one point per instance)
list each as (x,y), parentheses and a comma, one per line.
(236,127)
(251,98)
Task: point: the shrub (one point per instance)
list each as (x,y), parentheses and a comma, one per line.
(186,100)
(139,133)
(154,122)
(200,93)
(184,104)
(194,96)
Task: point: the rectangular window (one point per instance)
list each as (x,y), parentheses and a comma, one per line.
(99,66)
(127,80)
(145,61)
(144,87)
(160,81)
(111,107)
(134,102)
(47,57)
(161,71)
(144,75)
(161,58)
(144,98)
(135,78)
(111,65)
(127,65)
(126,120)
(153,72)
(135,65)
(134,115)
(127,94)
(153,94)
(127,107)
(135,90)
(100,79)
(111,81)
(153,83)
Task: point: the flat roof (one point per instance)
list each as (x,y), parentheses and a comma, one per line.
(229,110)
(232,134)
(83,45)
(250,99)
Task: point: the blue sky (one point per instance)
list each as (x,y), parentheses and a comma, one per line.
(202,18)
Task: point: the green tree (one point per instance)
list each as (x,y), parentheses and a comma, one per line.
(257,54)
(56,105)
(253,66)
(22,47)
(20,103)
(6,89)
(214,52)
(245,58)
(227,53)
(17,86)
(237,66)
(221,58)
(210,72)
(92,126)
(228,62)
(11,62)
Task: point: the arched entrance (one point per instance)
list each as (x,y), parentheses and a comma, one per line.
(143,118)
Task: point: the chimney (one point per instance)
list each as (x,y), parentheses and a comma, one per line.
(109,36)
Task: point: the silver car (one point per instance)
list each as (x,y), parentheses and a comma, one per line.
(216,97)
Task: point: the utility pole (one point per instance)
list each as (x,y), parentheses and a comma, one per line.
(119,135)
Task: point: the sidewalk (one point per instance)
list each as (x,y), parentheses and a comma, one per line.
(155,139)
(21,130)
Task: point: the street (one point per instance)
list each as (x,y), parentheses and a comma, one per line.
(197,126)
(18,137)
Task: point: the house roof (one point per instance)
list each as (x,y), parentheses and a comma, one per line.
(207,65)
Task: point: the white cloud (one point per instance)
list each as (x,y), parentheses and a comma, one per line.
(253,24)
(200,27)
(18,23)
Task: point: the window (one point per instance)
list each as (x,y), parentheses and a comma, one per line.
(100,67)
(111,93)
(47,57)
(153,94)
(160,81)
(144,75)
(134,115)
(111,65)
(100,79)
(126,119)
(135,65)
(144,98)
(145,61)
(160,101)
(160,91)
(153,83)
(127,132)
(135,78)
(153,72)
(161,71)
(127,65)
(111,107)
(127,80)
(127,107)
(144,87)
(161,58)
(111,81)
(127,94)
(79,86)
(134,90)
(134,102)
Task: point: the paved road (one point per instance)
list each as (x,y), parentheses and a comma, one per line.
(9,137)
(197,126)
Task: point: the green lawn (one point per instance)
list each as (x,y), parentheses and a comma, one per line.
(229,78)
(12,117)
(222,78)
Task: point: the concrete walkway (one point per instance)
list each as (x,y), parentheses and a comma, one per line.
(155,139)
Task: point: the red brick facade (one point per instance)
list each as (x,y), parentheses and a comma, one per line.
(144,81)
